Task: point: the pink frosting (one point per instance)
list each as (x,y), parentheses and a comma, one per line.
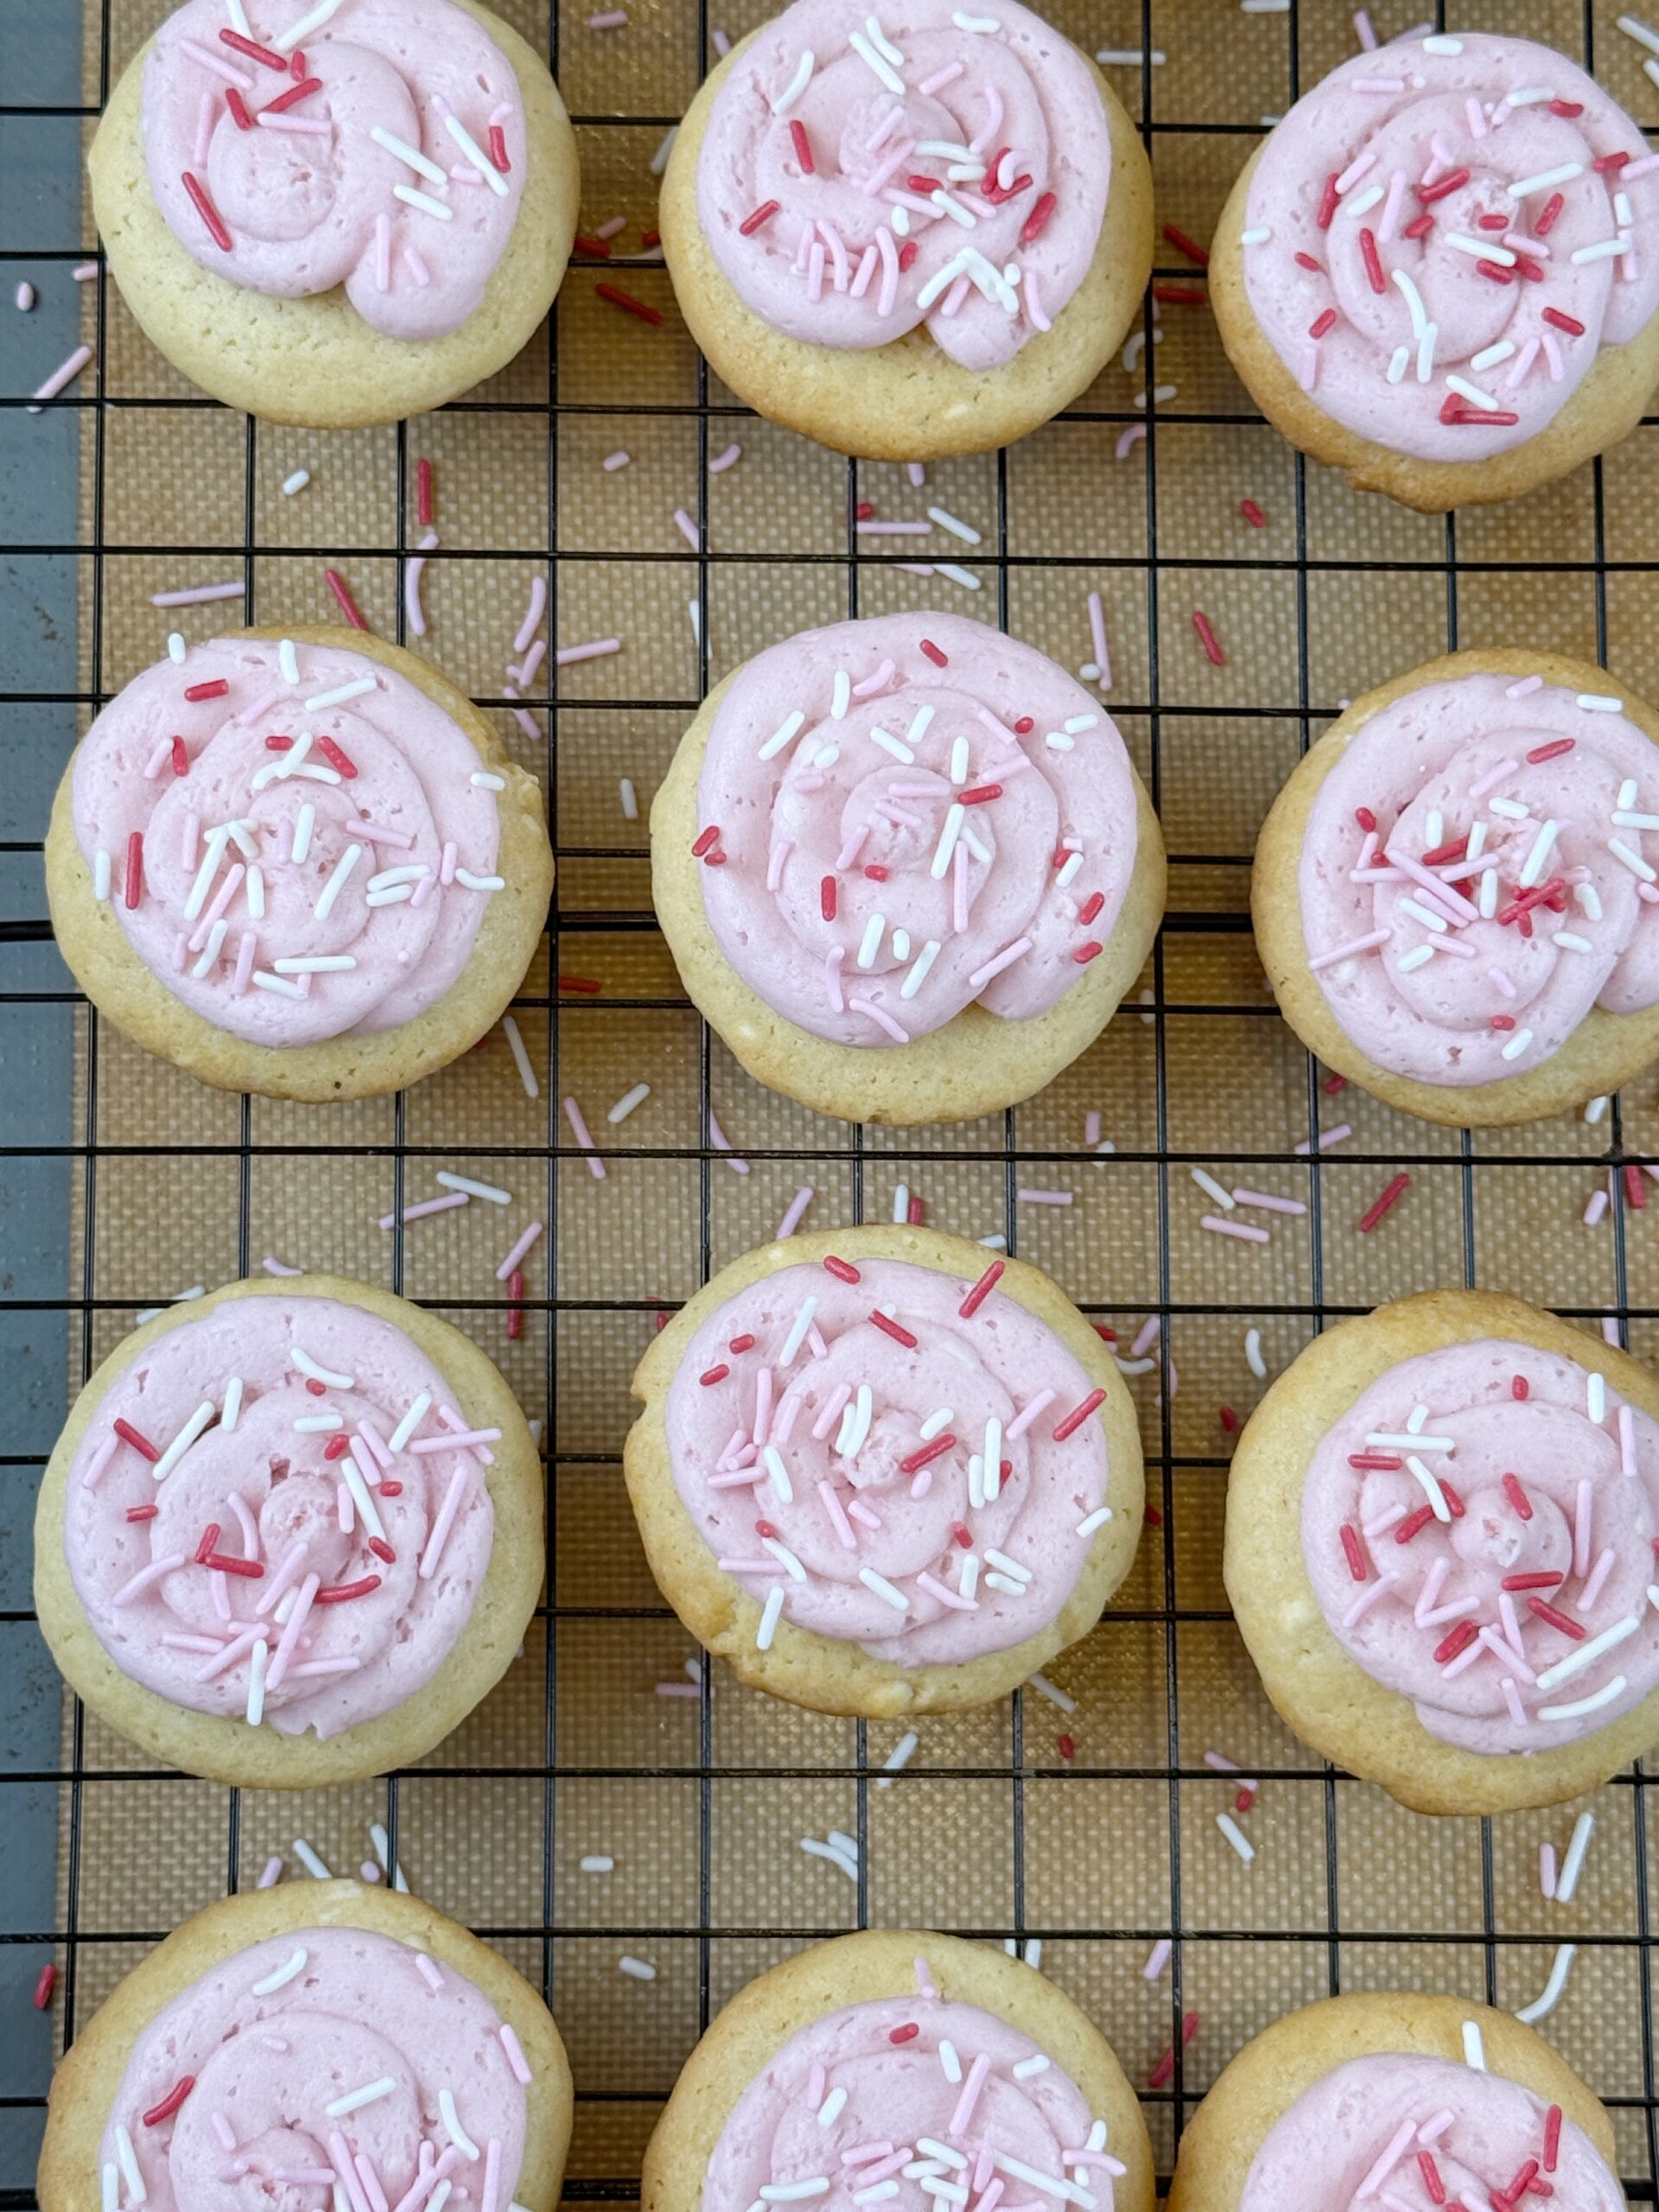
(1459,760)
(892,2104)
(792,793)
(1475,2130)
(263,1480)
(1359,163)
(307,196)
(415,795)
(735,1417)
(352,2011)
(1558,1486)
(999,112)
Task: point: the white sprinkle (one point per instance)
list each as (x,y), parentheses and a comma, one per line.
(1257,1365)
(636,1969)
(1236,1836)
(1474,2050)
(295,1965)
(829,2110)
(476,155)
(1585,1654)
(309,1860)
(137,2192)
(451,1181)
(780,737)
(964,531)
(598,1863)
(355,2099)
(412,197)
(768,1628)
(785,100)
(883,1589)
(181,1443)
(867,54)
(233,1405)
(1441,45)
(521,1061)
(411,156)
(1550,1997)
(1603,250)
(627,1102)
(457,2134)
(1213,1189)
(1572,1864)
(307,1365)
(296,482)
(1100,1514)
(331,890)
(1517,1045)
(790,2192)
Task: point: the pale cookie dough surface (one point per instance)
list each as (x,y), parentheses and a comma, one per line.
(907,400)
(830,1674)
(1253,2095)
(1604,1049)
(98,947)
(980,1060)
(89,2079)
(1319,1689)
(880,1970)
(1342,419)
(223,1747)
(315,360)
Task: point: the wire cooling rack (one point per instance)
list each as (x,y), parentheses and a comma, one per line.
(121,1184)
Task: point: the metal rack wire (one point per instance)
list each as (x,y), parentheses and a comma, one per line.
(1165,1608)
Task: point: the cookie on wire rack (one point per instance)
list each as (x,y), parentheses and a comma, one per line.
(1396,2098)
(913,245)
(862,2058)
(879,1476)
(301,864)
(1441,1522)
(906,867)
(1455,895)
(312,2038)
(292,1533)
(353,215)
(1439,272)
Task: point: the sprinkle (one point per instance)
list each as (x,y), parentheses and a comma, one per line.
(515,1257)
(1573,1863)
(1246,1232)
(1236,1836)
(1389,1197)
(520,1057)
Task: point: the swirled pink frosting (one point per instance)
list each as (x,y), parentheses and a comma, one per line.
(963,828)
(266,1468)
(825,128)
(889,1486)
(303,196)
(1470,186)
(400,922)
(858,2097)
(1520,1620)
(1508,765)
(270,2065)
(1394,2118)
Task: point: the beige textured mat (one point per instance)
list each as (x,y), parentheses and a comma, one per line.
(703,1800)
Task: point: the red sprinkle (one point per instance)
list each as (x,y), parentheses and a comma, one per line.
(864,510)
(1523,2180)
(1090,950)
(1518,1497)
(1605,166)
(962,1535)
(1252,514)
(1461,1636)
(1067,1747)
(1566,107)
(1322,322)
(1327,213)
(1542,1580)
(827,897)
(1207,639)
(1553,751)
(843,1270)
(336,584)
(1547,1612)
(1078,1414)
(1375,1462)
(1552,2138)
(875,872)
(1413,1525)
(216,690)
(390,1490)
(1527,267)
(296,64)
(142,1512)
(923,183)
(221,1562)
(1178,295)
(764,1530)
(1455,849)
(423,509)
(1502,1022)
(1333,1083)
(707,840)
(497,149)
(1492,222)
(181,2088)
(1546,222)
(316,1387)
(1390,1195)
(1418,226)
(583,244)
(1228,1419)
(336,1447)
(803,146)
(928,1454)
(1153,1516)
(1037,222)
(1519,1387)
(1567,322)
(583,985)
(710,1375)
(340,1593)
(915,1213)
(1454,1504)
(1024,727)
(293,95)
(938,659)
(383,1550)
(983,1289)
(1365,818)
(129,1435)
(239,107)
(45,1982)
(1373,262)
(1353,1553)
(745,1343)
(1090,907)
(133,890)
(1189,247)
(180,758)
(980,794)
(1308,261)
(209,1539)
(629,305)
(896,1330)
(1431,2174)
(331,754)
(908,254)
(1636,1195)
(515,1311)
(254,51)
(1495,272)
(908,2033)
(1452,182)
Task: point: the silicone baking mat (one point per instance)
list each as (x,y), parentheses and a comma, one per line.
(1087,1828)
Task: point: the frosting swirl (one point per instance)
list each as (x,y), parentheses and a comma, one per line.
(1531,812)
(396,172)
(266,1515)
(900,818)
(1379,2127)
(864,2096)
(1478,1529)
(1441,237)
(274,2048)
(829,1432)
(314,850)
(859,177)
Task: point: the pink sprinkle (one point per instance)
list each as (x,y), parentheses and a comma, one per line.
(156,1572)
(723,462)
(688,530)
(721,1142)
(518,1251)
(1347,951)
(1006,958)
(524,674)
(99,1462)
(797,1206)
(1157,1959)
(1593,1586)
(970,2094)
(428,1206)
(85,271)
(1030,1198)
(1246,1231)
(533,614)
(66,372)
(196,594)
(1368,1597)
(949,74)
(1097,640)
(677,1689)
(1327,1138)
(270,1875)
(1265,1198)
(611,20)
(568,655)
(1129,439)
(1546,1869)
(580,1131)
(882,1018)
(615,461)
(1597,1206)
(914,469)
